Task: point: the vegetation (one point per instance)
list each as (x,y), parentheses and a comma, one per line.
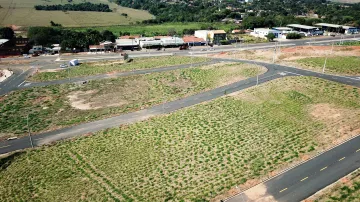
(6,33)
(191,155)
(64,105)
(343,65)
(87,6)
(183,28)
(88,69)
(47,36)
(270,37)
(348,191)
(293,36)
(349,43)
(14,12)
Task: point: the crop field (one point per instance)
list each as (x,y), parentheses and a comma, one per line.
(194,154)
(162,29)
(22,13)
(346,189)
(95,68)
(344,65)
(57,106)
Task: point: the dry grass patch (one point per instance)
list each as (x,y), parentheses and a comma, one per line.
(195,154)
(58,106)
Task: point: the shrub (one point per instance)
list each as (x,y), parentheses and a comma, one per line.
(293,36)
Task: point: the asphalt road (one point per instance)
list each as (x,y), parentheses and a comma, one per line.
(294,185)
(306,179)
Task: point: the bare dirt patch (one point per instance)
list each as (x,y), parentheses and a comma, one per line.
(77,99)
(341,123)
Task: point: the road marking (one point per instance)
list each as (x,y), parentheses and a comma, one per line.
(304,179)
(283,190)
(5,146)
(21,83)
(323,168)
(342,159)
(39,138)
(294,73)
(358,150)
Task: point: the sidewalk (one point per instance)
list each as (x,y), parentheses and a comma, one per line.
(4,74)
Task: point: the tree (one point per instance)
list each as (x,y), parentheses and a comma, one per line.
(6,33)
(171,32)
(293,36)
(108,36)
(270,36)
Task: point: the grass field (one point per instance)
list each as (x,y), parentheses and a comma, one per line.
(343,65)
(64,105)
(347,189)
(162,29)
(95,68)
(193,154)
(22,13)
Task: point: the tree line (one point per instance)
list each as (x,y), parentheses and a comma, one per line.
(260,10)
(46,36)
(75,7)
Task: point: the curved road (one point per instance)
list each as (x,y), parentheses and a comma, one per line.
(294,185)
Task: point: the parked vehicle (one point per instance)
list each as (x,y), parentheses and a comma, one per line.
(63,65)
(12,138)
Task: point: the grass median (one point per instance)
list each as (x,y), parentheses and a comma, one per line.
(194,154)
(63,105)
(343,65)
(108,67)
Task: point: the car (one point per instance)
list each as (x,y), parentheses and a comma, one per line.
(12,138)
(211,49)
(26,56)
(204,49)
(63,66)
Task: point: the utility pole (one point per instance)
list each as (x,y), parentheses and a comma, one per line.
(332,47)
(32,146)
(274,54)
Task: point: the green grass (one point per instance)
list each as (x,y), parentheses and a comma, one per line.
(49,107)
(349,191)
(22,13)
(88,69)
(161,29)
(349,43)
(343,65)
(191,155)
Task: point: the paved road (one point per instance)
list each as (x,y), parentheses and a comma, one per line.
(306,179)
(273,72)
(13,82)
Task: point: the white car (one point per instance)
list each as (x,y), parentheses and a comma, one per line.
(63,66)
(12,138)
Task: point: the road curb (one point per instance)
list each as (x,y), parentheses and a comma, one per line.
(294,166)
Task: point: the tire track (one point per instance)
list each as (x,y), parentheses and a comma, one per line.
(86,170)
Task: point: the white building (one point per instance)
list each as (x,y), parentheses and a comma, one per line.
(203,34)
(263,32)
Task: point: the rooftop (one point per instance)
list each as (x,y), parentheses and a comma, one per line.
(3,41)
(218,31)
(282,28)
(188,39)
(333,25)
(301,26)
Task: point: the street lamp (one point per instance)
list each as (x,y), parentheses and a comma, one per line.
(32,146)
(332,47)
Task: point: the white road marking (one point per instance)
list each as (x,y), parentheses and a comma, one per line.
(304,179)
(293,73)
(5,146)
(21,83)
(283,190)
(323,168)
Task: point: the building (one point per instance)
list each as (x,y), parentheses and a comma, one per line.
(16,46)
(127,44)
(333,28)
(213,36)
(193,41)
(203,34)
(216,36)
(130,37)
(263,32)
(306,30)
(172,42)
(103,47)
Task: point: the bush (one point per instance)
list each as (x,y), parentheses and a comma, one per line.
(293,36)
